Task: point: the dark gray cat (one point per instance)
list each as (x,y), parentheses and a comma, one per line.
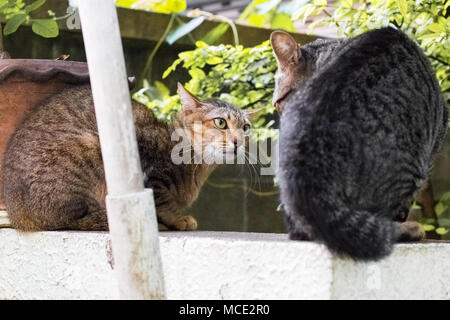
(361,122)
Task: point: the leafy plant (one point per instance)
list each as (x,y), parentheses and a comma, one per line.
(17,12)
(161,6)
(213,68)
(173,7)
(273,14)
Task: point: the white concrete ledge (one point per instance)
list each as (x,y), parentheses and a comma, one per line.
(4,221)
(219,265)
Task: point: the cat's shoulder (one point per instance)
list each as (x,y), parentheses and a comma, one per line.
(387,34)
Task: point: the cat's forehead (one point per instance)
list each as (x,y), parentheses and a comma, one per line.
(222,109)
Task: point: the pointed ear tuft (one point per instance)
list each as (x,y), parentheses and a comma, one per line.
(285,48)
(189,102)
(252,114)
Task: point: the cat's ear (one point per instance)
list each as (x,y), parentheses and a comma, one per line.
(252,114)
(285,48)
(189,102)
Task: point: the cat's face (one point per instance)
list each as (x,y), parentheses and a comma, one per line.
(292,67)
(217,128)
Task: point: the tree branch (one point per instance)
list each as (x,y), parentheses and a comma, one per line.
(440,60)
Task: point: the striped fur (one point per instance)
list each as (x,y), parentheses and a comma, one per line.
(53,172)
(358,139)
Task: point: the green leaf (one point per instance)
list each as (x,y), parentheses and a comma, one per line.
(125,3)
(444,223)
(214,35)
(162,89)
(446,197)
(200,44)
(214,60)
(446,6)
(167,6)
(282,21)
(197,73)
(172,67)
(415,206)
(47,28)
(441,231)
(185,29)
(304,12)
(436,27)
(428,227)
(403,7)
(3,6)
(13,23)
(257,20)
(176,5)
(440,208)
(34,6)
(320,3)
(347,3)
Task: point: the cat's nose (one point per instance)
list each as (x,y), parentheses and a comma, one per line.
(235,145)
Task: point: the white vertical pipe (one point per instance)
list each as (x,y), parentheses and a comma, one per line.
(131,210)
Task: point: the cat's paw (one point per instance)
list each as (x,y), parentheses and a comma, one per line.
(185,223)
(411,231)
(299,236)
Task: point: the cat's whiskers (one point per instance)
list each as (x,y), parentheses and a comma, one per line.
(248,154)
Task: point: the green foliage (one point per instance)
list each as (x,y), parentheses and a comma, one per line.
(241,76)
(425,21)
(13,24)
(161,6)
(17,12)
(185,29)
(157,98)
(47,28)
(443,204)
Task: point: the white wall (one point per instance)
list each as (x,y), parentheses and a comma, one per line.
(219,265)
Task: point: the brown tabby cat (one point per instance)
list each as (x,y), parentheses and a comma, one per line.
(53,171)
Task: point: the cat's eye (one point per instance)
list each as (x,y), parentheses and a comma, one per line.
(220,123)
(246,128)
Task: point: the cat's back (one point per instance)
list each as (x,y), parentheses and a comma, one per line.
(63,120)
(66,118)
(60,138)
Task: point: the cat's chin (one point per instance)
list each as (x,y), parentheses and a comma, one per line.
(221,157)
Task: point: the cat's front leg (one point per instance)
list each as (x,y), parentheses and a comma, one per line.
(409,231)
(297,228)
(168,211)
(176,221)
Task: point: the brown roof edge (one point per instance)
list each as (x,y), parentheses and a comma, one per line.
(43,70)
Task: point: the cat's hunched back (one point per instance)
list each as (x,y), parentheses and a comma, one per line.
(358,137)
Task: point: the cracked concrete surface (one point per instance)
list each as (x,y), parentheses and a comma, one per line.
(219,265)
